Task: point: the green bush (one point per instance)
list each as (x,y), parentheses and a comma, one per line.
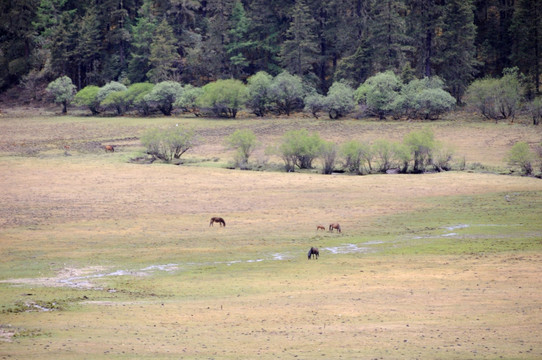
(244,141)
(423,98)
(497,98)
(259,97)
(223,97)
(108,89)
(379,92)
(299,148)
(287,92)
(135,97)
(116,100)
(421,145)
(187,101)
(357,156)
(314,103)
(163,95)
(520,155)
(168,144)
(328,154)
(88,97)
(62,91)
(339,100)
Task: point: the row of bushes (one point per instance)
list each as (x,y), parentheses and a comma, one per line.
(382,95)
(418,152)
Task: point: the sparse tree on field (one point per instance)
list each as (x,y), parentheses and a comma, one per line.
(244,142)
(168,144)
(520,155)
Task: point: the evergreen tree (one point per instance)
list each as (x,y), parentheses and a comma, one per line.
(16,39)
(387,36)
(163,58)
(425,23)
(142,35)
(299,50)
(264,32)
(493,41)
(88,49)
(214,55)
(455,60)
(238,45)
(527,32)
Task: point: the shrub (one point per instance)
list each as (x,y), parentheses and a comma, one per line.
(421,145)
(384,154)
(62,90)
(379,93)
(299,148)
(187,100)
(259,96)
(339,100)
(244,141)
(108,89)
(163,95)
(357,156)
(223,97)
(116,100)
(520,155)
(168,144)
(314,103)
(88,97)
(423,99)
(135,97)
(287,92)
(328,154)
(496,98)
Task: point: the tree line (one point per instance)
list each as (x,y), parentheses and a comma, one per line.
(197,42)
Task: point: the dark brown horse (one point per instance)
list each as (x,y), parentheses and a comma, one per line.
(335,226)
(217,220)
(320,227)
(313,252)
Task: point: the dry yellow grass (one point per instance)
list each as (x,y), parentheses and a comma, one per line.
(225,295)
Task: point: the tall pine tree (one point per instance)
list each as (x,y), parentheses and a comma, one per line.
(455,59)
(299,49)
(164,59)
(527,31)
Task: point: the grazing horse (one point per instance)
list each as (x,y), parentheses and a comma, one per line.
(313,252)
(217,220)
(320,227)
(109,148)
(335,226)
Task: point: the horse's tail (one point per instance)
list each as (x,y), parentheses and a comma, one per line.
(224,222)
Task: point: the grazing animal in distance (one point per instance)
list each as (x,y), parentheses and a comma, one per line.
(313,251)
(217,220)
(320,227)
(335,226)
(109,148)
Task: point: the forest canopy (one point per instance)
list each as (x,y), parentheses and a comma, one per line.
(195,42)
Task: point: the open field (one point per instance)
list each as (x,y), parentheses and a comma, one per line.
(103,258)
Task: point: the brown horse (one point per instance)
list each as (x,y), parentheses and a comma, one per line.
(320,227)
(335,226)
(313,252)
(109,148)
(217,220)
